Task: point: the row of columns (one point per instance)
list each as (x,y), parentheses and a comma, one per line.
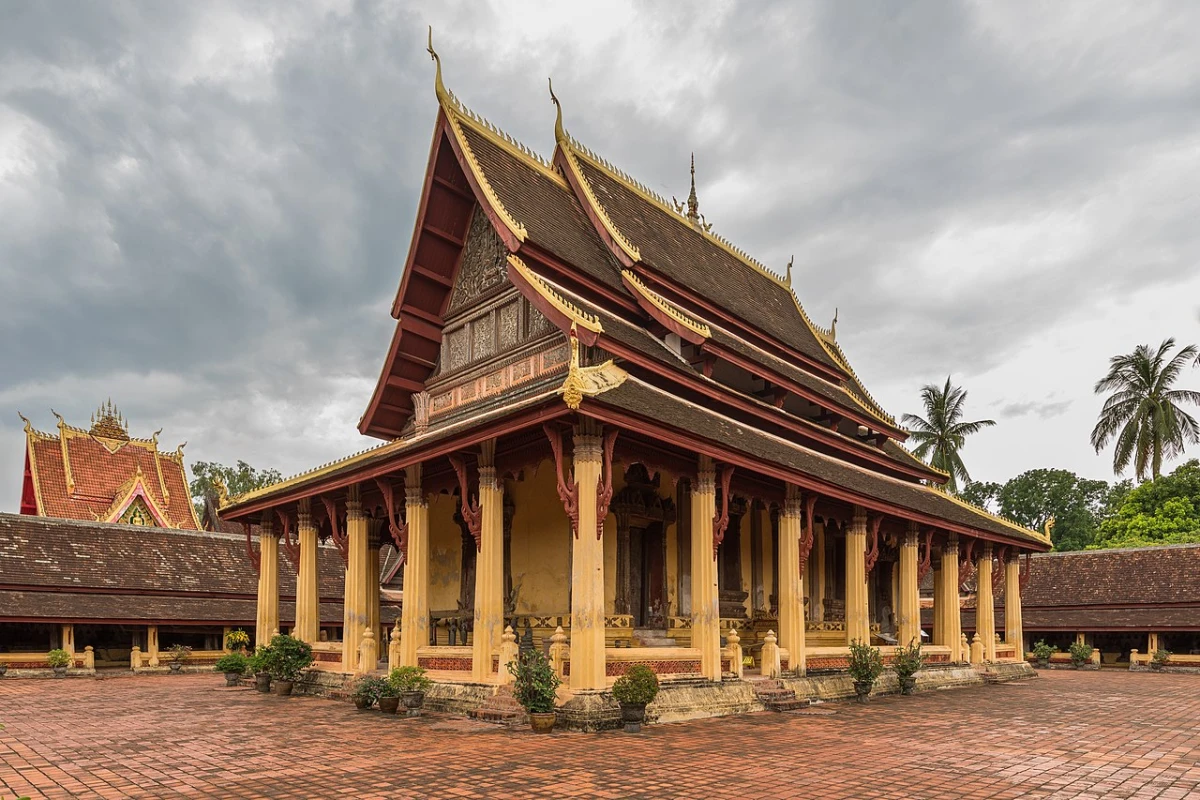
(587,576)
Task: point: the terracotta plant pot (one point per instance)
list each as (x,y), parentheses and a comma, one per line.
(908,685)
(862,689)
(633,715)
(412,702)
(284,688)
(175,666)
(233,678)
(60,672)
(1043,663)
(389,705)
(262,682)
(3,669)
(1154,665)
(542,723)
(363,702)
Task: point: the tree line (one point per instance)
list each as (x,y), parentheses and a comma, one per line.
(1144,417)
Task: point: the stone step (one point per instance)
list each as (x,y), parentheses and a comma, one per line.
(501,709)
(794,704)
(777,697)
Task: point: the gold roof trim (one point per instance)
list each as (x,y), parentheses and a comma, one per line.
(224,500)
(584,382)
(868,403)
(30,434)
(66,456)
(125,497)
(543,287)
(1044,536)
(671,310)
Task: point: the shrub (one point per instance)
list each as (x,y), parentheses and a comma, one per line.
(1043,651)
(535,682)
(287,657)
(258,660)
(237,639)
(866,663)
(638,686)
(371,687)
(908,659)
(179,653)
(58,658)
(409,679)
(1161,656)
(232,662)
(1080,653)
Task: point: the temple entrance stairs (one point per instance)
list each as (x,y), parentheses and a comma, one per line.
(777,697)
(501,709)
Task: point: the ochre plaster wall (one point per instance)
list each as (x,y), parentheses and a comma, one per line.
(540,554)
(445,554)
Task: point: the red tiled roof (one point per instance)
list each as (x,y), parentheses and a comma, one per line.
(1125,577)
(99,475)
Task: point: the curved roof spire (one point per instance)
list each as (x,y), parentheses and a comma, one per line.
(789,270)
(560,133)
(439,88)
(693,205)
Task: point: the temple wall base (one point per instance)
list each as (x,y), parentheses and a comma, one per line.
(1004,671)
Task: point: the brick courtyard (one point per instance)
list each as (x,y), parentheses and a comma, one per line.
(1066,734)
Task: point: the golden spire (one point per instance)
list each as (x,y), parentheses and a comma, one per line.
(693,205)
(560,133)
(439,88)
(833,325)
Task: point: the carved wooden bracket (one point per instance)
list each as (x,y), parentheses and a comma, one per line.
(721,518)
(604,490)
(872,553)
(568,488)
(470,508)
(998,567)
(255,558)
(966,564)
(926,561)
(292,548)
(806,543)
(1026,570)
(397,524)
(338,535)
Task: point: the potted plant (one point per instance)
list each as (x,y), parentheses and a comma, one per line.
(534,687)
(633,691)
(866,664)
(259,664)
(179,653)
(288,658)
(908,661)
(237,641)
(387,696)
(1160,659)
(59,660)
(412,686)
(233,665)
(1042,653)
(1080,654)
(366,692)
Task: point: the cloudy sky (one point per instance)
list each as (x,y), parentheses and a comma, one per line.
(205,207)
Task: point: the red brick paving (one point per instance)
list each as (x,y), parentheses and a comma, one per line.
(1066,734)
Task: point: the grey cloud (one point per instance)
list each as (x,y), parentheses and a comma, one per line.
(1042,409)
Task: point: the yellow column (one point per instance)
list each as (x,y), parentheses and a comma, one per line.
(818,557)
(791,583)
(414,613)
(268,582)
(354,618)
(908,603)
(857,620)
(68,638)
(937,637)
(587,569)
(706,611)
(307,610)
(945,603)
(985,608)
(489,568)
(372,582)
(152,645)
(1014,632)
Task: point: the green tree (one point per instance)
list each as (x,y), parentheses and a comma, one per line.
(238,480)
(941,434)
(1076,504)
(1165,510)
(1143,414)
(981,493)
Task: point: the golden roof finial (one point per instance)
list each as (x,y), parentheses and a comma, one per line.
(28,424)
(439,88)
(560,133)
(58,416)
(833,325)
(693,205)
(789,270)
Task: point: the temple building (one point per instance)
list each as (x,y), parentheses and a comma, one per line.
(108,561)
(611,429)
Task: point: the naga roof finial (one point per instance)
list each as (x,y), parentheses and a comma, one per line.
(28,424)
(833,325)
(439,88)
(560,133)
(789,269)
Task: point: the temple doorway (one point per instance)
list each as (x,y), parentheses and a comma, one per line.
(648,564)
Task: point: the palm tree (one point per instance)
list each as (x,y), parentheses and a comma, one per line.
(939,438)
(1143,414)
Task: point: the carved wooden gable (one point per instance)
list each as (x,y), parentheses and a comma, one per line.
(482,267)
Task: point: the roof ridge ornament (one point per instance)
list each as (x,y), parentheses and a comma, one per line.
(789,269)
(439,88)
(28,424)
(560,133)
(693,204)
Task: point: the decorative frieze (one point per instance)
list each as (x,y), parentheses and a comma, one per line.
(500,380)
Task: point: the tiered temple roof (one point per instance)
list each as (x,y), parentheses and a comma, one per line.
(102,474)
